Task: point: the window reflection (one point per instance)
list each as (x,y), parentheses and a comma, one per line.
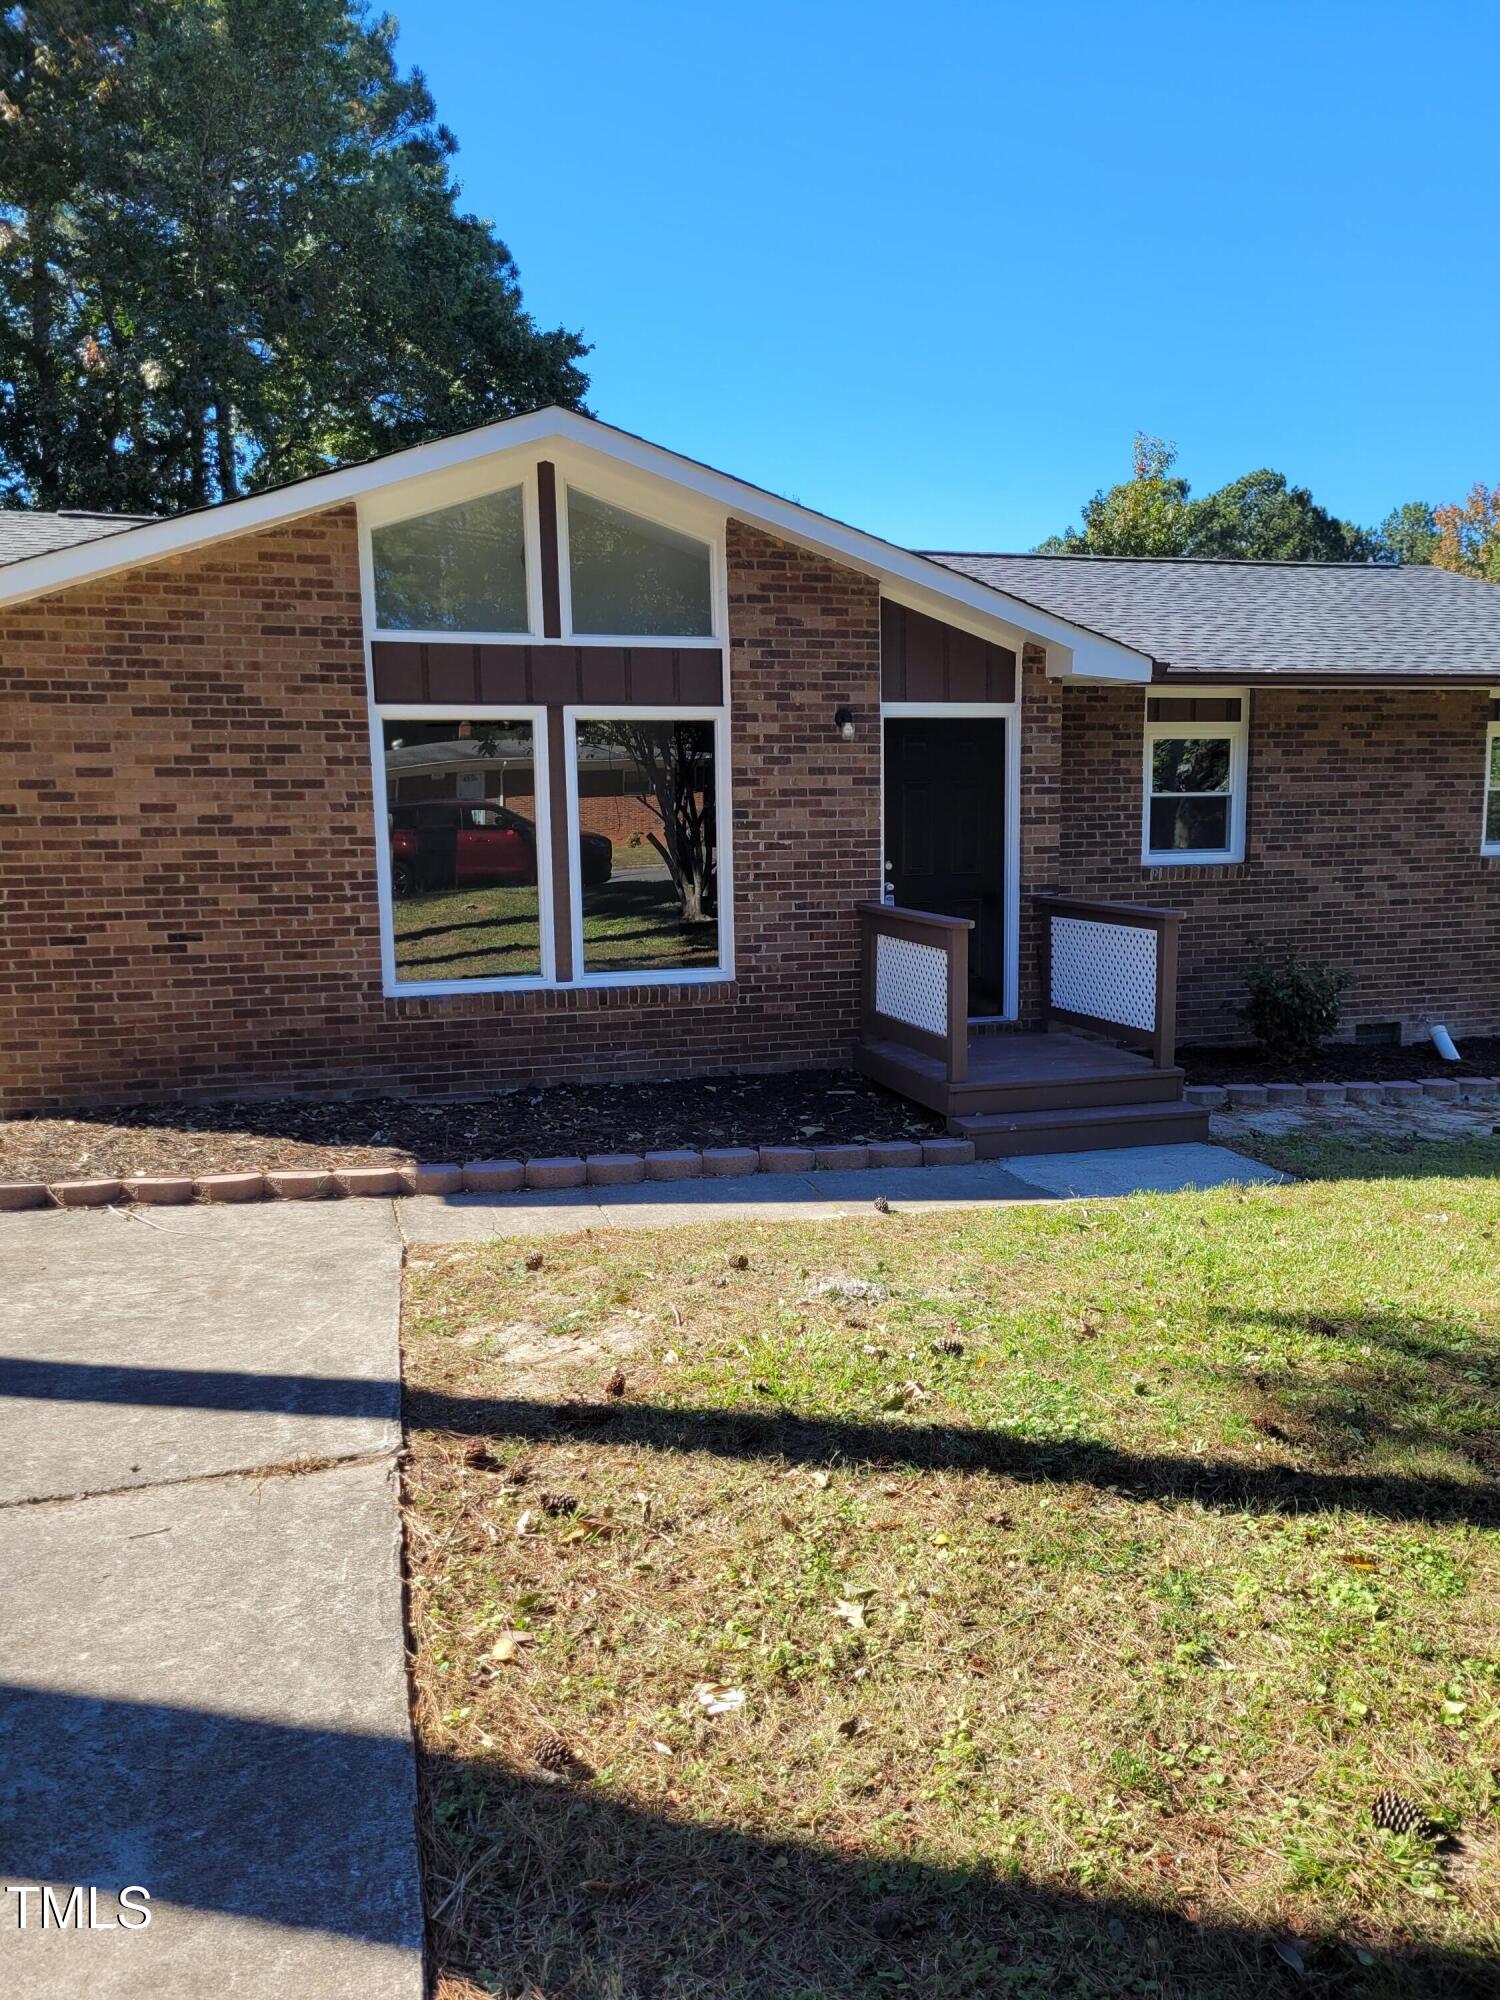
(462,811)
(648,845)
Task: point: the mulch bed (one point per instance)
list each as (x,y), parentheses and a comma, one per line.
(1341,1063)
(820,1106)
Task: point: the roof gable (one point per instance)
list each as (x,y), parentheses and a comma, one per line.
(575,441)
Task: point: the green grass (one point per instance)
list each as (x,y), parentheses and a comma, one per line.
(1084,1582)
(637,925)
(476,932)
(1313,1155)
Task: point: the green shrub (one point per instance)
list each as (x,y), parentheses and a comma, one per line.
(1294,1005)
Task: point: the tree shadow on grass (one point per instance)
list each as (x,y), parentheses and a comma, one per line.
(551,1889)
(1385,1379)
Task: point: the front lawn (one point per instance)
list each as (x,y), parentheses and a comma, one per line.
(1029,1603)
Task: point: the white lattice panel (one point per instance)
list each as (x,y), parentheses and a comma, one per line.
(1107,970)
(911,983)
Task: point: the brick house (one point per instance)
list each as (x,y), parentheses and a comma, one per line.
(541,752)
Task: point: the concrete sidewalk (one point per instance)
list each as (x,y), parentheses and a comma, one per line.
(816,1197)
(202,1650)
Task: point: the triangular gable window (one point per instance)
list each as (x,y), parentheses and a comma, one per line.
(461,569)
(631,576)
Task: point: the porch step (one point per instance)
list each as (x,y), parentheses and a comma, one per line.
(1080,1128)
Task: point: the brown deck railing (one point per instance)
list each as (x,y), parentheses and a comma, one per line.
(915,981)
(1112,967)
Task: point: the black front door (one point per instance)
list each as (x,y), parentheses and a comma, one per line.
(945,833)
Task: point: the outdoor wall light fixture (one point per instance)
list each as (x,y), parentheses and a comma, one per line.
(843,722)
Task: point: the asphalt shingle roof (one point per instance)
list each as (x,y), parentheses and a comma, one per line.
(24,534)
(1248,620)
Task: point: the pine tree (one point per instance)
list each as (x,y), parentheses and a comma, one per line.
(236,255)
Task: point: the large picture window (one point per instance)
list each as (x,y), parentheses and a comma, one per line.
(465,850)
(460,569)
(643,793)
(628,575)
(1195,779)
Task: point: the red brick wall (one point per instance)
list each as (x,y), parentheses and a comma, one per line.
(187,874)
(1362,851)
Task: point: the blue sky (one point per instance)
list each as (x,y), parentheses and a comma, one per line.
(928,267)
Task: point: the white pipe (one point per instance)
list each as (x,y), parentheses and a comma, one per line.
(1442,1041)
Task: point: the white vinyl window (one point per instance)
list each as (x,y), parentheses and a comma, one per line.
(1193,810)
(465,852)
(457,569)
(1491,843)
(631,577)
(651,871)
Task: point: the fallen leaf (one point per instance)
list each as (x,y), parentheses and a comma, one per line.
(820,1480)
(524,1524)
(716,1699)
(507,1648)
(852,1612)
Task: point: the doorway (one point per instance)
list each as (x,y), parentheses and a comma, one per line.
(945,833)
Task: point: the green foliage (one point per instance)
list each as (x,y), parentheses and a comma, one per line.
(1257,518)
(1294,1005)
(1260,518)
(231,254)
(1145,515)
(1409,534)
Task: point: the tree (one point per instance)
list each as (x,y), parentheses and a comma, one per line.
(1257,518)
(1145,515)
(258,268)
(1260,518)
(1408,534)
(1468,537)
(677,761)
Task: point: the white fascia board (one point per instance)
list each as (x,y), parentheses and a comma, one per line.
(1076,652)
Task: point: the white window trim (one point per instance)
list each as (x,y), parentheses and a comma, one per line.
(415,989)
(1491,738)
(723,821)
(717,577)
(398,507)
(1237,734)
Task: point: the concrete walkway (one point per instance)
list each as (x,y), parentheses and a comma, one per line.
(818,1197)
(201,1643)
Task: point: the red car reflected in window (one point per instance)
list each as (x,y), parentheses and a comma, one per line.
(449,843)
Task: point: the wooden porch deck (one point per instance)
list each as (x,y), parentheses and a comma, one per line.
(1110,969)
(1041,1093)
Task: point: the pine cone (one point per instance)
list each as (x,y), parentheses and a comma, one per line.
(534,1260)
(1393,1812)
(559,1503)
(738,1262)
(615,1386)
(550,1752)
(882,1206)
(947,1344)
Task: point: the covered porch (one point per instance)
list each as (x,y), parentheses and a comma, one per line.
(1102,1071)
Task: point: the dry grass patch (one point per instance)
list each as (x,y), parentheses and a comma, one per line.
(1039,1612)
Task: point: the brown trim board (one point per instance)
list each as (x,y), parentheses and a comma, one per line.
(546,511)
(547,676)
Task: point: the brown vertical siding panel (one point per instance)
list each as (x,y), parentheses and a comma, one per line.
(398,671)
(546,508)
(452,674)
(504,675)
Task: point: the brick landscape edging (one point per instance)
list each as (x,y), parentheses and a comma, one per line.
(484,1176)
(1271,1096)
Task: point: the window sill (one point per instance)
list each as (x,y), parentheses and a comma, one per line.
(1170,863)
(688,986)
